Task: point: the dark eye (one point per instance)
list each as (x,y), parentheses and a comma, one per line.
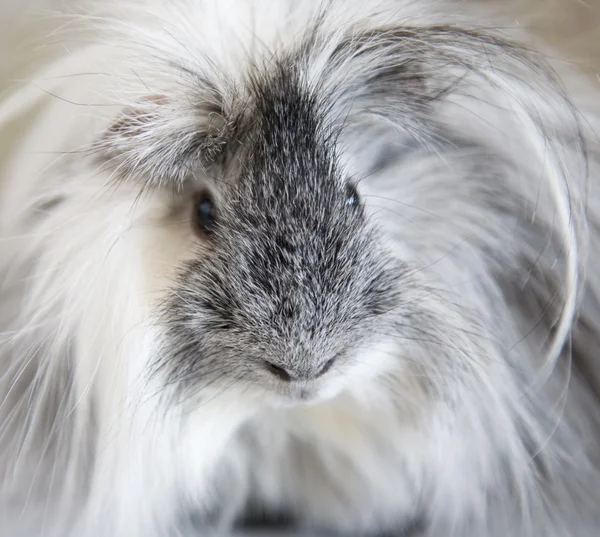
(204,213)
(352,198)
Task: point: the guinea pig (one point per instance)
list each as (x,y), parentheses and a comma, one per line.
(337,261)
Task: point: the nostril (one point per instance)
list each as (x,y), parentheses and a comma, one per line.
(326,367)
(278,371)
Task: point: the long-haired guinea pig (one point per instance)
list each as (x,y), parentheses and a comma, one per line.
(337,261)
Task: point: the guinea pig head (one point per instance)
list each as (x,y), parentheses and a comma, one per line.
(292,279)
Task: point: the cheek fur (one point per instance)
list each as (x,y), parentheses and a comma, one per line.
(168,243)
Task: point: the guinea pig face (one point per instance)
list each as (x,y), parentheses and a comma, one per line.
(290,287)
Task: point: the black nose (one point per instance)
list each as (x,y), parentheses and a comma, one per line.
(278,371)
(289,374)
(326,367)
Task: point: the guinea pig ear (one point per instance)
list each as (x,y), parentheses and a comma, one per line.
(378,75)
(131,119)
(399,74)
(160,140)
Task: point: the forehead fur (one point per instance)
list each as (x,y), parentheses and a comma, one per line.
(201,115)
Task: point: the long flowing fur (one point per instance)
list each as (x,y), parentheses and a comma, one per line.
(458,302)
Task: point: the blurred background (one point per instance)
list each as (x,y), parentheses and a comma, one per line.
(572,26)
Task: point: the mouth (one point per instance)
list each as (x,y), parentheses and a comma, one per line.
(309,394)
